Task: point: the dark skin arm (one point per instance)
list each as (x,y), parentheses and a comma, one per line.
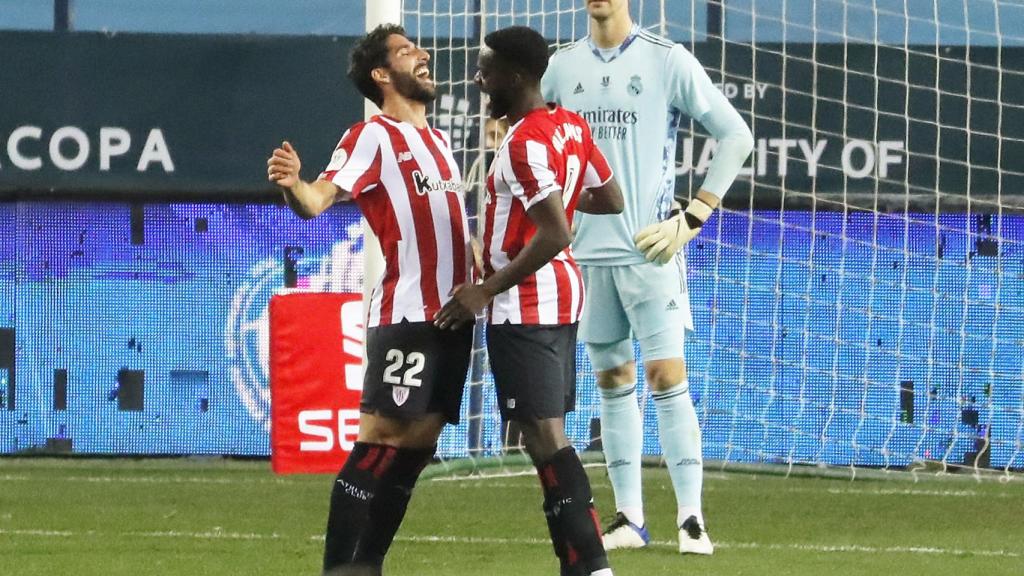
(604,199)
(552,237)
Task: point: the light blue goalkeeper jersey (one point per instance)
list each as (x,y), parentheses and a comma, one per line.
(634,99)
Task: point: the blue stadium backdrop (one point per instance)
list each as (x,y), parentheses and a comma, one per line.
(141,329)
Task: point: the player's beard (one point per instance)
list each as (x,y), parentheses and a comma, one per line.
(412,88)
(497,107)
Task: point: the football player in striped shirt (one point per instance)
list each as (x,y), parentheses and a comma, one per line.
(403,176)
(636,89)
(546,168)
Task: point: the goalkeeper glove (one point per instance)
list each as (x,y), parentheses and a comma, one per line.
(661,241)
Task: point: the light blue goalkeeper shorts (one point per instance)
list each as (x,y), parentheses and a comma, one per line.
(643,301)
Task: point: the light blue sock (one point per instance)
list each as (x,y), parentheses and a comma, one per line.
(622,437)
(679,432)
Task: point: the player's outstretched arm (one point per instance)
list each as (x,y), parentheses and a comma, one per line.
(604,199)
(552,236)
(304,198)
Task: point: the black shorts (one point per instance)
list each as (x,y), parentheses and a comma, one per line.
(534,369)
(414,369)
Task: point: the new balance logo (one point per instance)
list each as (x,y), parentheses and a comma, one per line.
(404,157)
(579,89)
(671,306)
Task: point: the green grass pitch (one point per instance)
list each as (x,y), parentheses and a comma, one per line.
(215,517)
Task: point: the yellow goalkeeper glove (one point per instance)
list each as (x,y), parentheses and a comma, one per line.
(661,241)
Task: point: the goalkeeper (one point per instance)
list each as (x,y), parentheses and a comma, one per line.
(634,88)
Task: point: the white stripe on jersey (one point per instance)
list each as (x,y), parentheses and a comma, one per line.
(547,294)
(506,308)
(361,159)
(575,286)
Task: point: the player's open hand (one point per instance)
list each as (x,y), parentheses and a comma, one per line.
(468,300)
(283,166)
(660,242)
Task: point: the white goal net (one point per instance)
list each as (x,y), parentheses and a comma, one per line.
(859,301)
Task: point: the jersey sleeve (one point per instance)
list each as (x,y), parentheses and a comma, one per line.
(694,94)
(598,171)
(690,89)
(355,164)
(532,176)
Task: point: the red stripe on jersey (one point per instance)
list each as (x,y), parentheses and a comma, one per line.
(518,231)
(564,292)
(458,239)
(489,224)
(440,136)
(521,168)
(455,211)
(442,164)
(423,221)
(528,300)
(380,215)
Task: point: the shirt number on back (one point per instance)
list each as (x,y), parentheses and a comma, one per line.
(572,175)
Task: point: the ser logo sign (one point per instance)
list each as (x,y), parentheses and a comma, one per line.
(323,430)
(69,148)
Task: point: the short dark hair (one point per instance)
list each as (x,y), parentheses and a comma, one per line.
(371,51)
(522,47)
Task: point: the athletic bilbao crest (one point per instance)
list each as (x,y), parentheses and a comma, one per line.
(635,86)
(399,394)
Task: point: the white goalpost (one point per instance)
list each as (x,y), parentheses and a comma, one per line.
(859,300)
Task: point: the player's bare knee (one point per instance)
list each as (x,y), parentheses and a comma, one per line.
(543,437)
(618,376)
(665,374)
(400,432)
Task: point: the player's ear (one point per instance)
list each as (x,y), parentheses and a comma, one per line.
(380,75)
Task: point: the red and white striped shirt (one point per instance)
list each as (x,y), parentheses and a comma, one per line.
(548,150)
(408,186)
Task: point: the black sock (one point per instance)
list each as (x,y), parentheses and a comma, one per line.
(354,489)
(387,509)
(573,522)
(568,563)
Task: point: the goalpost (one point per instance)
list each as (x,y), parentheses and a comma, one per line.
(859,300)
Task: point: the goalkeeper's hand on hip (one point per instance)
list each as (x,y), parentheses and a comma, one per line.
(660,242)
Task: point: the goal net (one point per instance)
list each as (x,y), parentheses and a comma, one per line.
(859,300)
